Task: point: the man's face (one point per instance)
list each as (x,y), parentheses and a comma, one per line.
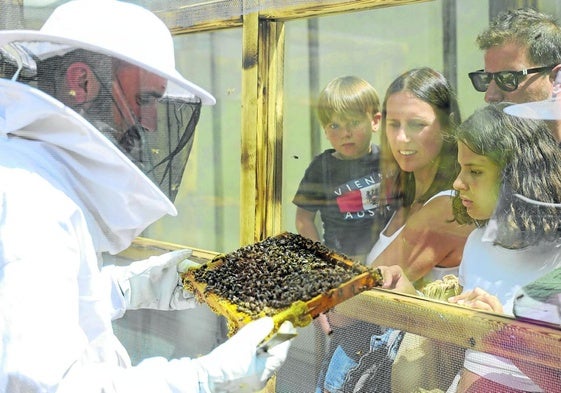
(136,92)
(512,57)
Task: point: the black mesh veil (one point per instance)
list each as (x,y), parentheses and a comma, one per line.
(170,155)
(162,154)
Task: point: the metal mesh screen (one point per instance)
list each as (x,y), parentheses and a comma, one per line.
(430,353)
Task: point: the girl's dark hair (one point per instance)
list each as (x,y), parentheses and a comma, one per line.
(431,87)
(530,163)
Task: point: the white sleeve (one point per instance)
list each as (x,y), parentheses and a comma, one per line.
(44,251)
(55,324)
(234,366)
(90,374)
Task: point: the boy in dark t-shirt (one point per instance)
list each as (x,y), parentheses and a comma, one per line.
(342,183)
(345,193)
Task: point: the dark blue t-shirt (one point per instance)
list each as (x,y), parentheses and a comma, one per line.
(346,194)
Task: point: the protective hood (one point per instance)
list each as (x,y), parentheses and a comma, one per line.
(549,109)
(114,28)
(118,199)
(538,110)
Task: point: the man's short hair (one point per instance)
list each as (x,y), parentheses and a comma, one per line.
(538,32)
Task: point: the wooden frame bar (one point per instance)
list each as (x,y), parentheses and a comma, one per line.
(482,331)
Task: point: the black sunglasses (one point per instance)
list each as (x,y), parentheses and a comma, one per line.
(506,80)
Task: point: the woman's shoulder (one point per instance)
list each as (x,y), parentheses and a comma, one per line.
(436,215)
(438,206)
(443,193)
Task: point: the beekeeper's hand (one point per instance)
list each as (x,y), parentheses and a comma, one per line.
(237,366)
(155,282)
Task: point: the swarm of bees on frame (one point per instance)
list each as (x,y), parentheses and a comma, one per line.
(270,275)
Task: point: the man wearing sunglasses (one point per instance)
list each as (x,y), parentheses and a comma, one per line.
(522,55)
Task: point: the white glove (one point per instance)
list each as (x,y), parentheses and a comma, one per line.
(237,366)
(155,283)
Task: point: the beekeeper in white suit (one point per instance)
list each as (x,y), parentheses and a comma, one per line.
(89,106)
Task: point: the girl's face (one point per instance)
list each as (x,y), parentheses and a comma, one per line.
(350,135)
(413,132)
(478,183)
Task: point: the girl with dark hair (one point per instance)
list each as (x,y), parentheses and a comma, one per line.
(529,169)
(509,185)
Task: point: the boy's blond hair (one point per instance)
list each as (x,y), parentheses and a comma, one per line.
(347,95)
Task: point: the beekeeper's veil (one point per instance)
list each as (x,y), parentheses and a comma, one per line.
(103,33)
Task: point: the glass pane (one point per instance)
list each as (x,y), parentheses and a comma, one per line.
(364,44)
(376,45)
(208,201)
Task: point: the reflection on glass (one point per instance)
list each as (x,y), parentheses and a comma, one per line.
(208,200)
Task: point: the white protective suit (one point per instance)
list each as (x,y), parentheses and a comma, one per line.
(66,194)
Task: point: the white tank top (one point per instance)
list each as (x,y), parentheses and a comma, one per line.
(384,240)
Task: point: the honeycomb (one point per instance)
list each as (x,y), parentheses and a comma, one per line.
(288,277)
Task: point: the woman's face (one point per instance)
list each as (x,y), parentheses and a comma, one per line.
(413,131)
(477,183)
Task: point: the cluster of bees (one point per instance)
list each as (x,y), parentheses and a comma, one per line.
(270,275)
